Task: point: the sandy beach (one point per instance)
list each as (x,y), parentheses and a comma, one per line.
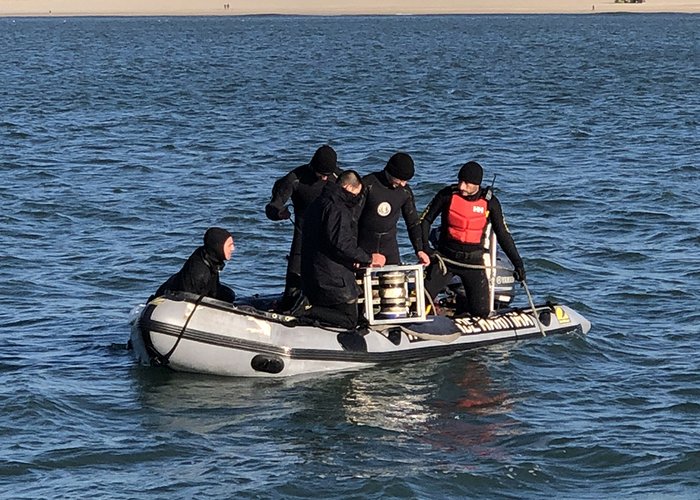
(320,7)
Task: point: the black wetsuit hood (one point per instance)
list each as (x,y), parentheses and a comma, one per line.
(213,249)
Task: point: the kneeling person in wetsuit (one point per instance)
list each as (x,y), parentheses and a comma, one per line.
(386,196)
(468,214)
(200,274)
(330,254)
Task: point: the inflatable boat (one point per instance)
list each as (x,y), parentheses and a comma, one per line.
(248,339)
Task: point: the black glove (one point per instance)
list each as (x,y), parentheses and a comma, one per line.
(519,272)
(284,214)
(273,213)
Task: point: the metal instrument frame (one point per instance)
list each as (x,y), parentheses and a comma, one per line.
(414,274)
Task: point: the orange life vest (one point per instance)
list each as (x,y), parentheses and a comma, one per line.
(467,220)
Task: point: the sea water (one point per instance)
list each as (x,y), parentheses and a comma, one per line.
(123,139)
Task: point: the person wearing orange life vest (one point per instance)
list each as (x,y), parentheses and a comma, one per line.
(468,212)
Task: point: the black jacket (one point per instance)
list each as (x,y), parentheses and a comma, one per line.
(303,187)
(381,206)
(199,275)
(329,248)
(439,206)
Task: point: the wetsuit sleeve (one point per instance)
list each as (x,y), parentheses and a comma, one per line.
(342,239)
(364,194)
(412,220)
(431,212)
(225,293)
(282,190)
(500,228)
(197,278)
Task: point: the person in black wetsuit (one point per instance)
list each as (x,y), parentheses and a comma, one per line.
(200,274)
(385,197)
(330,254)
(302,185)
(468,214)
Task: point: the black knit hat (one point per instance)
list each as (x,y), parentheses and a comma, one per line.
(471,172)
(325,160)
(214,240)
(401,166)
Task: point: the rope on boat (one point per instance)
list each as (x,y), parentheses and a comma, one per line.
(294,221)
(431,306)
(534,311)
(165,359)
(442,262)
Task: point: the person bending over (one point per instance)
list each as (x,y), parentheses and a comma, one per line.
(387,196)
(330,254)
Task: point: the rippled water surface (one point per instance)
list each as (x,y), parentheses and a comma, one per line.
(122,139)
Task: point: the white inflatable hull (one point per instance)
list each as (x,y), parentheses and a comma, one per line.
(216,338)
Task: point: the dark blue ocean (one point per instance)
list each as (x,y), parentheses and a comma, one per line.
(123,139)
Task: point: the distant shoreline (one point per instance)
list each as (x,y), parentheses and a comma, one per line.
(104,8)
(214,14)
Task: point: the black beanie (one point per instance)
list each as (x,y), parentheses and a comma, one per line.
(471,172)
(324,161)
(214,240)
(400,166)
